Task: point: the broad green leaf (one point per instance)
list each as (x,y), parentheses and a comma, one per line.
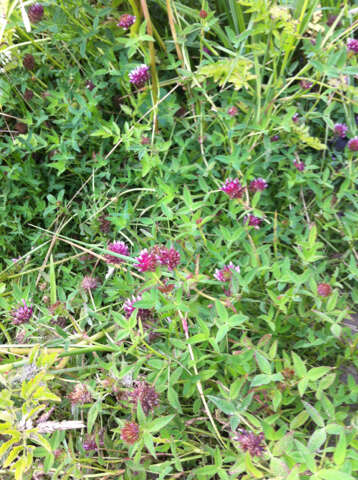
(299,420)
(334,475)
(236,71)
(263,363)
(313,413)
(148,442)
(251,467)
(12,455)
(317,372)
(159,423)
(317,439)
(299,366)
(266,379)
(339,454)
(92,415)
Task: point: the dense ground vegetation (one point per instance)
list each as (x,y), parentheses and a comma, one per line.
(178,241)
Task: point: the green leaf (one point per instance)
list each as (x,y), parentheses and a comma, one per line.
(159,423)
(20,467)
(263,363)
(334,475)
(299,366)
(317,439)
(148,442)
(12,455)
(340,450)
(317,372)
(235,71)
(173,399)
(266,379)
(92,415)
(41,441)
(299,420)
(313,413)
(251,467)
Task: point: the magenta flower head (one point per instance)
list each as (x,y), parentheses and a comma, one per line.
(259,184)
(253,221)
(116,247)
(352,45)
(353,144)
(168,257)
(22,314)
(126,21)
(225,273)
(147,261)
(90,85)
(139,76)
(249,442)
(275,138)
(340,129)
(35,12)
(233,188)
(299,165)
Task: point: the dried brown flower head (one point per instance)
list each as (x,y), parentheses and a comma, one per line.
(80,395)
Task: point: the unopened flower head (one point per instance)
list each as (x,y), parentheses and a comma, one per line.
(126,21)
(258,184)
(35,12)
(28,62)
(353,144)
(22,314)
(324,289)
(117,247)
(295,117)
(139,76)
(224,274)
(253,221)
(90,85)
(146,261)
(130,433)
(146,395)
(352,45)
(232,111)
(203,14)
(340,129)
(233,188)
(299,165)
(249,442)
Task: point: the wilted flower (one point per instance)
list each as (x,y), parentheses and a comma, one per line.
(168,257)
(331,19)
(299,165)
(90,442)
(129,307)
(340,144)
(306,84)
(22,314)
(353,144)
(90,85)
(233,188)
(147,261)
(258,184)
(21,127)
(89,283)
(126,21)
(28,94)
(352,45)
(146,395)
(117,247)
(249,442)
(324,289)
(203,14)
(28,62)
(80,395)
(224,274)
(139,76)
(206,50)
(104,224)
(340,129)
(232,111)
(35,12)
(130,432)
(253,221)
